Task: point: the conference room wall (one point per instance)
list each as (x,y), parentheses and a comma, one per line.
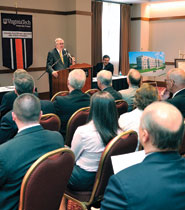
(164,27)
(46,27)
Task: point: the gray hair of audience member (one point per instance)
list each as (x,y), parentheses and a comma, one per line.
(18,72)
(24,83)
(105,77)
(134,77)
(77,79)
(178,76)
(145,95)
(165,125)
(27,108)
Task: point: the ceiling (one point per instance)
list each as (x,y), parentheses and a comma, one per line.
(141,1)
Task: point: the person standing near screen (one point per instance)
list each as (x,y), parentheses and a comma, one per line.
(57,59)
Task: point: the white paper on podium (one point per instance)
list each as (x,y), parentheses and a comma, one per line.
(120,162)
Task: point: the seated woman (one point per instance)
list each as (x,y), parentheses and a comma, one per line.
(90,140)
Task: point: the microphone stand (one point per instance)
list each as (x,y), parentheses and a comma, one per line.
(49,67)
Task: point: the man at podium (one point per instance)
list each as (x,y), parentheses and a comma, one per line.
(57,59)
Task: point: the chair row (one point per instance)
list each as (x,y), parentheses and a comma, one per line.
(45,182)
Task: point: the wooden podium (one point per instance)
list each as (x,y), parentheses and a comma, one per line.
(60,83)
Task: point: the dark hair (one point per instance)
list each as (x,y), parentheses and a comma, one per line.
(24,83)
(133,80)
(103,113)
(106,56)
(27,108)
(162,137)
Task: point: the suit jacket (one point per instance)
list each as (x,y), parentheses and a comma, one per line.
(65,106)
(7,102)
(8,127)
(128,95)
(17,155)
(54,63)
(115,94)
(99,67)
(179,101)
(156,183)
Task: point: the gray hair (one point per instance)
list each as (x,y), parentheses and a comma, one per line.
(77,79)
(27,108)
(105,77)
(24,83)
(178,76)
(162,137)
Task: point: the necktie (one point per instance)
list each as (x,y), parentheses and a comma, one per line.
(61,56)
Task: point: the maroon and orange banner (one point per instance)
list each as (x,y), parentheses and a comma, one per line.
(17,41)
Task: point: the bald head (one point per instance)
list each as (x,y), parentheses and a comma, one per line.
(175,79)
(76,79)
(134,77)
(164,124)
(104,79)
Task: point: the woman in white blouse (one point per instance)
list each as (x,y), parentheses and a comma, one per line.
(90,140)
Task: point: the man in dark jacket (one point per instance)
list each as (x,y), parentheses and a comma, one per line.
(103,65)
(65,106)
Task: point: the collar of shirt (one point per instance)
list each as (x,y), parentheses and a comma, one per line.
(177,92)
(28,126)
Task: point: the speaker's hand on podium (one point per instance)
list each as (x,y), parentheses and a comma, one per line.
(55,74)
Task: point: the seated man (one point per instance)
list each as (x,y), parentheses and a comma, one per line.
(103,65)
(18,154)
(23,83)
(65,106)
(104,81)
(9,98)
(175,84)
(133,80)
(159,181)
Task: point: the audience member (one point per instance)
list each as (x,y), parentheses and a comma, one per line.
(103,65)
(9,97)
(144,96)
(65,106)
(23,83)
(90,140)
(175,84)
(133,80)
(18,154)
(158,182)
(104,81)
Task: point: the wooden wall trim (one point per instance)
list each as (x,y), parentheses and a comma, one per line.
(158,18)
(48,12)
(140,18)
(34,69)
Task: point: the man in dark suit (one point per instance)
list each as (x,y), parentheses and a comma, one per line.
(65,106)
(24,83)
(103,65)
(9,98)
(175,84)
(104,81)
(159,181)
(18,154)
(57,59)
